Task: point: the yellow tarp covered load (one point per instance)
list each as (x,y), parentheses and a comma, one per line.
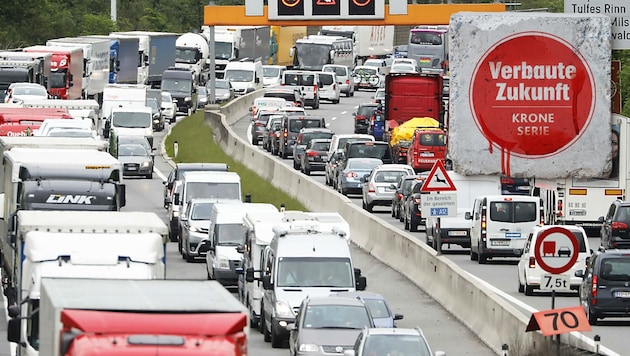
(404,132)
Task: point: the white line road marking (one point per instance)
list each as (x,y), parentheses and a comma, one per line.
(334,118)
(344,112)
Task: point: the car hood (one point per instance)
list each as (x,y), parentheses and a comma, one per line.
(383,322)
(228,251)
(133,159)
(329,337)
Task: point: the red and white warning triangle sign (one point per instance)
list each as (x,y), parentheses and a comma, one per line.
(438,180)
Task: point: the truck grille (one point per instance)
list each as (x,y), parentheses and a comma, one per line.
(234,264)
(332,349)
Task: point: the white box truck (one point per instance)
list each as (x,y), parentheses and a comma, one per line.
(82,244)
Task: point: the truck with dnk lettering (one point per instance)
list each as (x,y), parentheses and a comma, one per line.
(53,179)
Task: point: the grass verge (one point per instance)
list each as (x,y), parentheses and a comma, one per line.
(195,144)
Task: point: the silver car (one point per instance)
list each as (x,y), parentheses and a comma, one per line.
(376,186)
(350,171)
(137,160)
(344,77)
(328,325)
(195,228)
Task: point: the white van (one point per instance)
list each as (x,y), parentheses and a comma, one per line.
(307,81)
(456,230)
(344,77)
(303,259)
(226,237)
(329,88)
(245,77)
(500,224)
(530,273)
(272,75)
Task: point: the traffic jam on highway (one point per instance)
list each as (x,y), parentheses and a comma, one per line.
(406,148)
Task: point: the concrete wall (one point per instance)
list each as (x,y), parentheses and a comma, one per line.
(488,315)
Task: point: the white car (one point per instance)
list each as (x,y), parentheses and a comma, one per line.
(409,61)
(530,272)
(329,89)
(57,125)
(403,68)
(366,77)
(169,108)
(18,92)
(293,110)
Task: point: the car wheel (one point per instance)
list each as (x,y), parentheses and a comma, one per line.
(179,246)
(254,141)
(406,223)
(393,211)
(336,101)
(413,226)
(276,340)
(529,290)
(172,236)
(483,259)
(261,323)
(592,319)
(473,255)
(306,171)
(296,165)
(316,106)
(521,287)
(266,333)
(326,179)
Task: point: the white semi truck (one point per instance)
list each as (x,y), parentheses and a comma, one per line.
(377,41)
(53,179)
(80,244)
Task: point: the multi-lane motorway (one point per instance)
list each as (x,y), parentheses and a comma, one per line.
(444,332)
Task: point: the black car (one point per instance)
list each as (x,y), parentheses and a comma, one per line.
(605,288)
(515,186)
(403,189)
(362,117)
(304,137)
(615,230)
(290,128)
(412,207)
(312,158)
(290,94)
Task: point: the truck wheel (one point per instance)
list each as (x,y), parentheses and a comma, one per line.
(521,288)
(261,323)
(266,333)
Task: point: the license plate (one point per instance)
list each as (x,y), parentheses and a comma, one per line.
(577,212)
(500,242)
(426,154)
(132,168)
(457,233)
(622,294)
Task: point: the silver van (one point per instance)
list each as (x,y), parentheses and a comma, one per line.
(344,77)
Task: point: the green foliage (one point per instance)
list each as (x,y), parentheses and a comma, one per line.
(195,144)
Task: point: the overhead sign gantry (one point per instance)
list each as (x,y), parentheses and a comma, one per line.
(337,12)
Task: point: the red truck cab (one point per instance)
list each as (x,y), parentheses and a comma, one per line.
(18,121)
(66,71)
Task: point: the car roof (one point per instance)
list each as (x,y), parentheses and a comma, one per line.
(332,300)
(394,331)
(315,129)
(320,140)
(361,294)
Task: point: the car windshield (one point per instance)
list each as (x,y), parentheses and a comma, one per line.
(433,139)
(340,71)
(307,137)
(331,316)
(131,119)
(296,125)
(363,164)
(30,90)
(368,151)
(615,269)
(286,96)
(388,176)
(177,85)
(201,211)
(222,84)
(407,345)
(239,75)
(513,211)
(320,146)
(366,110)
(152,103)
(326,79)
(271,72)
(315,272)
(299,79)
(230,234)
(132,150)
(377,307)
(212,190)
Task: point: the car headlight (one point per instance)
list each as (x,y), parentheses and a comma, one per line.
(148,131)
(283,310)
(308,348)
(146,163)
(187,98)
(223,262)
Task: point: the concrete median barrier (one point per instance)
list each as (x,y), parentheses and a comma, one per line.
(482,309)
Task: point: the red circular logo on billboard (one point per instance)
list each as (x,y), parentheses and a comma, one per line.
(532,95)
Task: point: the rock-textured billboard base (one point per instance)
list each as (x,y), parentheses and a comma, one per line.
(530,94)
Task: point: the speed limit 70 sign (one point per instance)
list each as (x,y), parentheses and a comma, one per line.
(559,321)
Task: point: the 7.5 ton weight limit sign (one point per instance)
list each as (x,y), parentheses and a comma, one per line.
(556,250)
(326,9)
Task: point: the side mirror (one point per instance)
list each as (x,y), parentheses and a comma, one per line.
(240,249)
(266,280)
(361,283)
(468,215)
(14,310)
(393,186)
(579,273)
(183,218)
(601,219)
(176,198)
(325,159)
(14,330)
(249,275)
(398,316)
(251,109)
(290,327)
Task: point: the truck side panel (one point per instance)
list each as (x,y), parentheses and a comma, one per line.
(285,39)
(161,56)
(128,61)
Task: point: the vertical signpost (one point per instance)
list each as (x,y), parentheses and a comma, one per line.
(438,205)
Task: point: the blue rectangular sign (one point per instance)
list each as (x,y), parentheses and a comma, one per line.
(439,211)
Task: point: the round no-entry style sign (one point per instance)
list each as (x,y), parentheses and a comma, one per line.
(556,250)
(532,94)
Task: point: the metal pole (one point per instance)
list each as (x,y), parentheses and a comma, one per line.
(112,9)
(213,53)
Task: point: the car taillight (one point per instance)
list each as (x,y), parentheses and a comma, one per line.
(507,180)
(594,289)
(334,86)
(351,175)
(278,134)
(359,117)
(484,224)
(286,134)
(618,225)
(347,81)
(559,207)
(371,188)
(258,123)
(532,262)
(310,153)
(315,89)
(400,196)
